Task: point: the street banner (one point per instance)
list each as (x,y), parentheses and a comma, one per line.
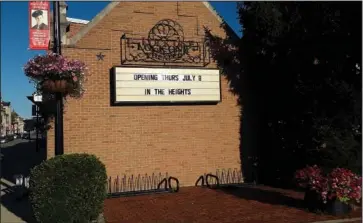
(39,27)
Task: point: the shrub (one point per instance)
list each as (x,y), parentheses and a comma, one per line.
(68,189)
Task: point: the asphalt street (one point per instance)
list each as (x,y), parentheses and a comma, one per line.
(19,156)
(33,136)
(13,143)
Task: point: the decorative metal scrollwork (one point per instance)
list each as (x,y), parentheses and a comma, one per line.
(165,45)
(166,40)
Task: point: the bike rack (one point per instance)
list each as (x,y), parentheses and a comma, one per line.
(165,186)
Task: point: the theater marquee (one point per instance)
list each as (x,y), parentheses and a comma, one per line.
(164,85)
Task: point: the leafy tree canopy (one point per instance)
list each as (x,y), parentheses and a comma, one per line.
(300,68)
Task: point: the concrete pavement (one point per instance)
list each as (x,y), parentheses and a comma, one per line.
(354,220)
(8,216)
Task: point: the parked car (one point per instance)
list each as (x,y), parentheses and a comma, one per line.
(3,139)
(9,137)
(25,135)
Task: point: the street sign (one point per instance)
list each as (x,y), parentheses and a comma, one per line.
(37,98)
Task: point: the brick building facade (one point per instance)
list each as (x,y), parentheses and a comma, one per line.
(184,141)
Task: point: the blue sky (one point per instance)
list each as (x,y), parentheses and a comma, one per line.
(14,45)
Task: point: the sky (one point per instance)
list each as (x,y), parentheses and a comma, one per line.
(15,85)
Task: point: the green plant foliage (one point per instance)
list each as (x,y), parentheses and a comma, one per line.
(68,189)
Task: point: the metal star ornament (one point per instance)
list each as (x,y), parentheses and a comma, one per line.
(100,56)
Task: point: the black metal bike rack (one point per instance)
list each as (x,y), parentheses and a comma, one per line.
(224,178)
(164,186)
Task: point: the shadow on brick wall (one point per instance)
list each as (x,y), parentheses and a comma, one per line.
(262,96)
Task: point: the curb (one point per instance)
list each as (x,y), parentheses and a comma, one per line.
(339,220)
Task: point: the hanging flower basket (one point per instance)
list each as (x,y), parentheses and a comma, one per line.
(57,86)
(54,73)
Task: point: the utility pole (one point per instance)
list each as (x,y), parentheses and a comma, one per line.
(37,129)
(59,148)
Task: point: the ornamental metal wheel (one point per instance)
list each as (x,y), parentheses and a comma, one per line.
(166,40)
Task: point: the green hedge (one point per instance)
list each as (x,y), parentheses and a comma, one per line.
(68,189)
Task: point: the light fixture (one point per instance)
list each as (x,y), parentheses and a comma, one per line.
(18,179)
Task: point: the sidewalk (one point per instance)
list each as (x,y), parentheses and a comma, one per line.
(351,220)
(19,156)
(8,199)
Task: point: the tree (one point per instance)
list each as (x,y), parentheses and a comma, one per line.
(300,68)
(14,117)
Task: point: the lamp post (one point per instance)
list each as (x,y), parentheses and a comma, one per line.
(59,150)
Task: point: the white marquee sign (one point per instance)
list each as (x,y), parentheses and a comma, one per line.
(161,85)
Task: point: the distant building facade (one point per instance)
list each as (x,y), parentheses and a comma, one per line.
(18,125)
(6,125)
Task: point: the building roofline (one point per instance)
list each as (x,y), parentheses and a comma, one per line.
(90,24)
(78,21)
(221,20)
(81,33)
(6,103)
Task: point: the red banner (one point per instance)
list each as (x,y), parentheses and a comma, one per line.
(39,27)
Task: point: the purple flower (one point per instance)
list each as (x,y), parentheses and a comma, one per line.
(56,67)
(52,66)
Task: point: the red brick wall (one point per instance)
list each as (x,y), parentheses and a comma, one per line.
(185,141)
(74,28)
